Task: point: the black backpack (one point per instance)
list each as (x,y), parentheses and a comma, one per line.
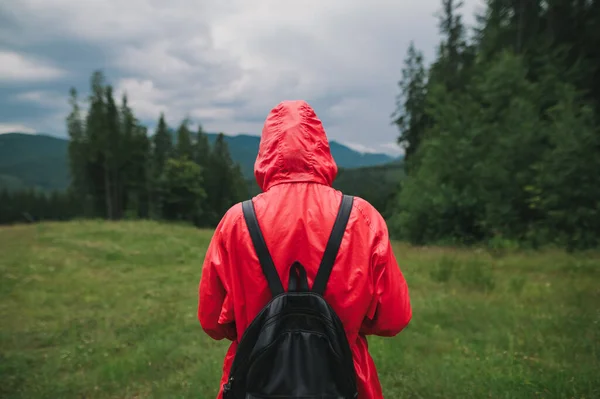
(296,347)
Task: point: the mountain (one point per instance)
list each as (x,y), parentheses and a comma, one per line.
(377,184)
(40,161)
(244,148)
(33,161)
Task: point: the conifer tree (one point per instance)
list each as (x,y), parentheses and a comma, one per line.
(184,147)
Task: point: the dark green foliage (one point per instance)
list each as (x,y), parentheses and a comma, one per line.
(566,188)
(201,149)
(163,146)
(181,186)
(42,162)
(376,184)
(184,147)
(29,205)
(140,175)
(410,114)
(76,149)
(225,184)
(117,171)
(509,153)
(136,165)
(33,161)
(92,151)
(113,155)
(131,175)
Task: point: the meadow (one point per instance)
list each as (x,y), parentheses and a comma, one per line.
(97,309)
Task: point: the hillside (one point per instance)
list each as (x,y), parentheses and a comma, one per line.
(108,310)
(40,161)
(244,148)
(377,184)
(36,161)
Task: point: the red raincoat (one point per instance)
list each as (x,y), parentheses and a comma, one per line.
(296,211)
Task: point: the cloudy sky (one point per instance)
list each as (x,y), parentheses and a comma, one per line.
(223,63)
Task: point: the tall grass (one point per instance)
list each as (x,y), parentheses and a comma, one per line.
(108,310)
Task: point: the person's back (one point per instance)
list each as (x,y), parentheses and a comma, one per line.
(296,213)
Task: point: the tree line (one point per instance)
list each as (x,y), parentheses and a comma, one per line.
(118,171)
(501,136)
(32,205)
(501,131)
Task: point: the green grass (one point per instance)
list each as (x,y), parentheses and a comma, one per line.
(108,310)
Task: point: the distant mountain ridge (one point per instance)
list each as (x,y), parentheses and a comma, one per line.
(244,148)
(41,161)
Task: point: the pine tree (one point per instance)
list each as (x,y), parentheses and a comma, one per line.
(566,188)
(224,181)
(142,170)
(162,150)
(134,164)
(410,114)
(112,157)
(455,56)
(77,149)
(163,146)
(201,148)
(184,147)
(183,194)
(96,128)
(511,142)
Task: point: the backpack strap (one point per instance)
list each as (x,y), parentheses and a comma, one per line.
(266,262)
(333,245)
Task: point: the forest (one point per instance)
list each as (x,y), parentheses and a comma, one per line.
(501,137)
(501,131)
(119,171)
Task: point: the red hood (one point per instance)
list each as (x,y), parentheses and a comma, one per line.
(293,148)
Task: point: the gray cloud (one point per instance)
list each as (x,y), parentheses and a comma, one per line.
(223,63)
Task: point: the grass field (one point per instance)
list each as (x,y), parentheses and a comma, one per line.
(108,310)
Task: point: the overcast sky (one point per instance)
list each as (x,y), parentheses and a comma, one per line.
(223,63)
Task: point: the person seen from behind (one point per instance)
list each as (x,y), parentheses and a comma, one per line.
(296,212)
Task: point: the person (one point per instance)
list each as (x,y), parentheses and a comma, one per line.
(296,211)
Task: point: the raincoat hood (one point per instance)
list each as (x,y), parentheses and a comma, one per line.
(293,148)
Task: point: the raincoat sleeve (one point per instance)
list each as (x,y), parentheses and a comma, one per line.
(390,310)
(212,290)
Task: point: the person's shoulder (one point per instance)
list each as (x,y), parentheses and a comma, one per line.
(234,212)
(230,219)
(369,218)
(369,214)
